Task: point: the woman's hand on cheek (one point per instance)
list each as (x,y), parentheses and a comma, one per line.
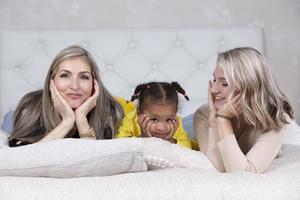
(145,125)
(232,107)
(60,105)
(88,104)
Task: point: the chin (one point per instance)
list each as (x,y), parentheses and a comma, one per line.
(218,106)
(159,135)
(74,105)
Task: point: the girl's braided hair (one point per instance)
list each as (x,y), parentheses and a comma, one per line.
(158,91)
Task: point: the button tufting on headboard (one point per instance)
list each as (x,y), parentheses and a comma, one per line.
(126,58)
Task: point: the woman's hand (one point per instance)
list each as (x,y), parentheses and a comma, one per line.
(61,106)
(82,111)
(229,110)
(145,125)
(89,104)
(232,108)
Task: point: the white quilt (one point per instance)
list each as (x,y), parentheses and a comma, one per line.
(280,181)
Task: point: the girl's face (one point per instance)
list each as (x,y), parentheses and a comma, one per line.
(220,89)
(74,81)
(161,116)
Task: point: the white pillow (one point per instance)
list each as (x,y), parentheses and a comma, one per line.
(65,158)
(160,154)
(293,134)
(288,161)
(3,138)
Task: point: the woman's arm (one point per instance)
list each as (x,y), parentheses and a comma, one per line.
(67,115)
(207,137)
(59,132)
(258,158)
(84,128)
(262,151)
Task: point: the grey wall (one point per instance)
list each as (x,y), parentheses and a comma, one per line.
(279,18)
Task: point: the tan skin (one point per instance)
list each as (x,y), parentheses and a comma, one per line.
(158,120)
(71,92)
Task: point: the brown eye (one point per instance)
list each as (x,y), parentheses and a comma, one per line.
(154,119)
(169,120)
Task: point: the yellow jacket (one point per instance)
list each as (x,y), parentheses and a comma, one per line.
(130,127)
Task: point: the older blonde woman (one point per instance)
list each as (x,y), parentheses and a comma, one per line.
(73,103)
(246,119)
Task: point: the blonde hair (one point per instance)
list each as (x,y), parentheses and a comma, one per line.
(264,106)
(105,117)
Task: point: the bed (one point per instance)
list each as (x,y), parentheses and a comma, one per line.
(126,58)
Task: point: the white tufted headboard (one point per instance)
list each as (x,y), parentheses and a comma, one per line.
(126,57)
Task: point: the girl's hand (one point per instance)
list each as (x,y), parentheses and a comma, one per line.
(145,125)
(173,127)
(61,106)
(89,104)
(211,106)
(232,107)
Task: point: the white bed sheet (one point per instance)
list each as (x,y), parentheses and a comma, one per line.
(280,181)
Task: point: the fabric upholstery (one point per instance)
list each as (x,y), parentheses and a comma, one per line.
(126,57)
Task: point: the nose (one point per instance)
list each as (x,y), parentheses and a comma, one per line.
(215,88)
(161,127)
(74,84)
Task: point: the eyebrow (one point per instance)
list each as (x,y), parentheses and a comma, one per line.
(219,78)
(67,71)
(157,116)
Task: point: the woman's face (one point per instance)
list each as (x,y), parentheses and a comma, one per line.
(220,89)
(161,116)
(74,81)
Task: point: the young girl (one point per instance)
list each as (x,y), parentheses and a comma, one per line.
(155,115)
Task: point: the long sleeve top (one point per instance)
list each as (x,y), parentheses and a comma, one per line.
(252,151)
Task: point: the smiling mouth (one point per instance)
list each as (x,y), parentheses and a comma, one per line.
(74,96)
(159,134)
(219,98)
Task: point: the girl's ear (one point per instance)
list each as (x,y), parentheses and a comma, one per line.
(139,111)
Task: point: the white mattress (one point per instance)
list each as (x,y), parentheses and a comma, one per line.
(280,181)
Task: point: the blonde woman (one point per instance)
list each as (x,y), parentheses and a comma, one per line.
(74,103)
(246,119)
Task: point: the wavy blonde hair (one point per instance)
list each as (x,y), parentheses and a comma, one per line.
(35,115)
(264,106)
